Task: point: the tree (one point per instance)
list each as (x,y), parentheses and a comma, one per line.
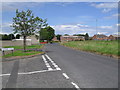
(43,34)
(86,36)
(51,33)
(24,24)
(47,33)
(58,37)
(66,34)
(5,37)
(18,36)
(11,36)
(40,24)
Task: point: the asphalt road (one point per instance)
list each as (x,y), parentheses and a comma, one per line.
(86,69)
(61,67)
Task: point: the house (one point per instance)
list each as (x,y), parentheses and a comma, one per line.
(72,38)
(33,39)
(111,37)
(99,37)
(55,39)
(104,37)
(114,37)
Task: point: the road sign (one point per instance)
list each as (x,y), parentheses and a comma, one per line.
(7,49)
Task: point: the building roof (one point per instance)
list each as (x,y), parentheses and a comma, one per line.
(116,35)
(101,35)
(72,36)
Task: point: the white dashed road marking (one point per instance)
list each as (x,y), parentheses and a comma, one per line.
(53,63)
(46,63)
(65,75)
(76,86)
(4,75)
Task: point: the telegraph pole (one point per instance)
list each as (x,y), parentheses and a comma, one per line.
(96,26)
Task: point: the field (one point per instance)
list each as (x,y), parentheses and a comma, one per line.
(101,47)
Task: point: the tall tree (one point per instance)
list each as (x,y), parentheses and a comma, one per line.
(43,34)
(24,24)
(58,37)
(51,33)
(47,33)
(40,24)
(86,36)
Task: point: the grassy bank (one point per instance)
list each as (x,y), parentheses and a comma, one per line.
(21,52)
(102,47)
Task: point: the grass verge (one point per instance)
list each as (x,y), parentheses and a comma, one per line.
(22,53)
(27,47)
(101,47)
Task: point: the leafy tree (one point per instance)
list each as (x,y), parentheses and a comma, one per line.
(11,36)
(66,34)
(43,34)
(24,24)
(5,37)
(18,36)
(86,36)
(40,24)
(51,33)
(47,33)
(58,37)
(78,35)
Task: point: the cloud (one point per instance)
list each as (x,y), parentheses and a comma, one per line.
(118,24)
(113,16)
(6,24)
(82,29)
(12,6)
(106,27)
(106,7)
(6,28)
(102,32)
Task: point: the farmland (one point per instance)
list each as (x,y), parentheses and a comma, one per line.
(101,47)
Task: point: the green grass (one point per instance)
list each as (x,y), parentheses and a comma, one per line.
(27,47)
(21,52)
(103,47)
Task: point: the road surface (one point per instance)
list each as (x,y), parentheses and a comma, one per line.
(61,67)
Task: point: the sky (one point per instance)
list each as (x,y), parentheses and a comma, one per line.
(68,17)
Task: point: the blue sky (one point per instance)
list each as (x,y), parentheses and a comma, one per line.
(68,17)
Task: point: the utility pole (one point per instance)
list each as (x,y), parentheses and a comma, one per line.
(96,26)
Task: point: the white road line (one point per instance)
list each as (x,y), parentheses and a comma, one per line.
(65,75)
(25,73)
(76,86)
(46,63)
(4,75)
(53,63)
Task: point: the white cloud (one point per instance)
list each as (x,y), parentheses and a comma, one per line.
(106,6)
(12,6)
(106,27)
(118,24)
(102,32)
(60,0)
(82,29)
(113,16)
(6,25)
